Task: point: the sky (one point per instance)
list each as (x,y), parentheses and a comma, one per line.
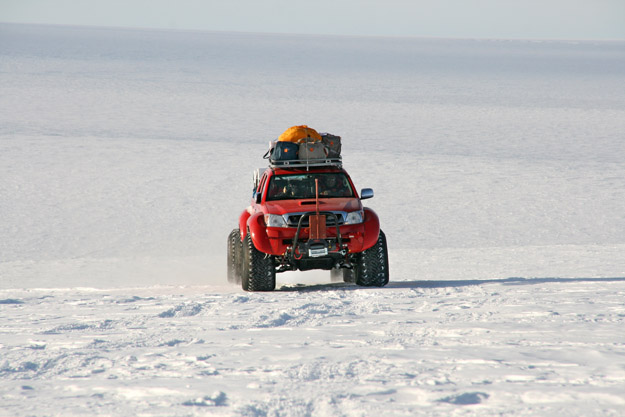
(500,19)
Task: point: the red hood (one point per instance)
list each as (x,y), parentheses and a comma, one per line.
(325,204)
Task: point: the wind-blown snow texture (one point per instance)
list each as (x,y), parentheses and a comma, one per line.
(126,157)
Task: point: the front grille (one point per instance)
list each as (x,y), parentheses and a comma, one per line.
(293,220)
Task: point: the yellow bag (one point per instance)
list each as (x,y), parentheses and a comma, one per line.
(298,134)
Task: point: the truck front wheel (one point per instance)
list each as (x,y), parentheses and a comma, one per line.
(371,268)
(257,269)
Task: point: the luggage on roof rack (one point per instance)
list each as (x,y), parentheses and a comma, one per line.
(276,162)
(312,150)
(298,134)
(315,150)
(332,144)
(306,163)
(285,151)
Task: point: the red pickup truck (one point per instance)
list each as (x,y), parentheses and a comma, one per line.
(307,215)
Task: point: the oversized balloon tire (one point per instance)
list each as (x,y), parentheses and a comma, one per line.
(234,253)
(371,269)
(258,272)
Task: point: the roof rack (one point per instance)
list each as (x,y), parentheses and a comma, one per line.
(306,163)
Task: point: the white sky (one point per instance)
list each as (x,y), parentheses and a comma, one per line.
(544,19)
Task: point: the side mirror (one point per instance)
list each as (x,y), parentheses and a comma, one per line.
(258,197)
(366,193)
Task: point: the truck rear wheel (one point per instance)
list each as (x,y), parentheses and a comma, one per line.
(257,269)
(348,276)
(371,269)
(342,275)
(234,253)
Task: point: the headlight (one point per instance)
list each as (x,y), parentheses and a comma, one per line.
(354,217)
(274,220)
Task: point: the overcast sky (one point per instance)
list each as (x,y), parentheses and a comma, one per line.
(542,19)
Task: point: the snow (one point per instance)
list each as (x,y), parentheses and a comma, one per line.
(127,155)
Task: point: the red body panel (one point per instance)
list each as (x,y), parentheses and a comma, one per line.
(243,222)
(372,228)
(258,232)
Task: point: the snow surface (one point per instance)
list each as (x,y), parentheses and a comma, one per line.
(127,155)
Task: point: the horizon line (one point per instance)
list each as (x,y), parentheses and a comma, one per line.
(308,34)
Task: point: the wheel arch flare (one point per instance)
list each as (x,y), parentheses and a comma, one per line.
(258,232)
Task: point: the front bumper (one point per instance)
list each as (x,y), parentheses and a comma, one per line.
(351,236)
(278,241)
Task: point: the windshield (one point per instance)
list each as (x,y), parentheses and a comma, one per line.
(301,186)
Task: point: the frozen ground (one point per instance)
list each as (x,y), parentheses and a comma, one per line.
(126,156)
(467,347)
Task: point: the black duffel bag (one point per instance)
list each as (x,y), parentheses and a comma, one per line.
(332,144)
(285,151)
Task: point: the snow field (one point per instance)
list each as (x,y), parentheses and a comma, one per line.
(127,155)
(511,347)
